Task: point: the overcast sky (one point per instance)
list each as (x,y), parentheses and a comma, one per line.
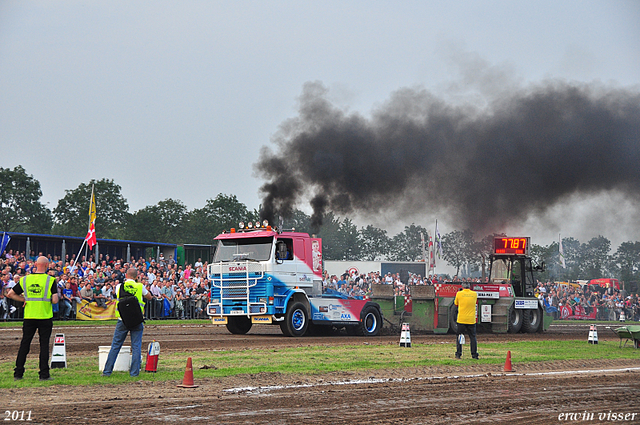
(176,99)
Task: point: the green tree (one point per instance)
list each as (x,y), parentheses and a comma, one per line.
(298,220)
(627,261)
(112,211)
(158,223)
(549,255)
(375,243)
(329,232)
(407,245)
(458,248)
(572,255)
(219,214)
(349,240)
(20,206)
(481,250)
(144,225)
(595,258)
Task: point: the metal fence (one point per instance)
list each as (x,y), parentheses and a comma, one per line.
(154,310)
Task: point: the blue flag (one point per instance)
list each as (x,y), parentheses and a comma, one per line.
(167,308)
(5,241)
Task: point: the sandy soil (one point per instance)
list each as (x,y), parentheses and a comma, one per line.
(534,393)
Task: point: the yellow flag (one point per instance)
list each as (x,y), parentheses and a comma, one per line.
(92,209)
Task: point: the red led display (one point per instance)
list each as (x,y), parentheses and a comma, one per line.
(513,246)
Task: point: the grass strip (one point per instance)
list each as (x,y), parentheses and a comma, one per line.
(318,359)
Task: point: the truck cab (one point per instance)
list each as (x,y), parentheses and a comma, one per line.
(268,276)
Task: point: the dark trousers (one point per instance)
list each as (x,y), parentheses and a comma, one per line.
(29,327)
(470,330)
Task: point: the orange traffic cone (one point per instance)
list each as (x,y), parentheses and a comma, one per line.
(187,381)
(507,363)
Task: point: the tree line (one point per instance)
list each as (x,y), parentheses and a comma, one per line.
(170,221)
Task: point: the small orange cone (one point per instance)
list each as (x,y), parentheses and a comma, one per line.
(507,363)
(187,381)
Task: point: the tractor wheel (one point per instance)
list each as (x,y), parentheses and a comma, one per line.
(515,320)
(296,320)
(532,320)
(239,325)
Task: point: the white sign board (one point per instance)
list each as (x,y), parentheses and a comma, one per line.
(526,304)
(487,294)
(486,313)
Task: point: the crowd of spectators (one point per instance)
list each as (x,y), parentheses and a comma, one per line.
(610,302)
(353,284)
(183,292)
(178,292)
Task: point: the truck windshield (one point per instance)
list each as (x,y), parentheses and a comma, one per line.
(500,270)
(257,249)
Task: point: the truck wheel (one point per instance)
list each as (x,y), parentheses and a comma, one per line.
(453,319)
(371,321)
(239,325)
(296,320)
(515,320)
(531,320)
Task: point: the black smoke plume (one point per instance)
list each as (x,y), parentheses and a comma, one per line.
(484,166)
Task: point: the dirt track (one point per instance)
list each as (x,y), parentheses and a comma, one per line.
(476,393)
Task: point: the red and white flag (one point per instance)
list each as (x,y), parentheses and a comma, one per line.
(91,236)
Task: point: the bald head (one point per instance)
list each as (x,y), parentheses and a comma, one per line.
(132,273)
(42,263)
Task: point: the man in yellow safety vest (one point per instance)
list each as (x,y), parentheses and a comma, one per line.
(37,291)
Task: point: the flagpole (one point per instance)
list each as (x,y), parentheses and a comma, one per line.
(561,253)
(91,219)
(91,214)
(429,253)
(435,243)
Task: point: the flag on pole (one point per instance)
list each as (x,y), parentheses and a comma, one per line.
(564,265)
(91,234)
(92,208)
(424,252)
(432,257)
(438,241)
(5,241)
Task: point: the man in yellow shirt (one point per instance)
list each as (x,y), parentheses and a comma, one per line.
(466,301)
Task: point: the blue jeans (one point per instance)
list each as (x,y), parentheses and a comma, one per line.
(65,309)
(119,335)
